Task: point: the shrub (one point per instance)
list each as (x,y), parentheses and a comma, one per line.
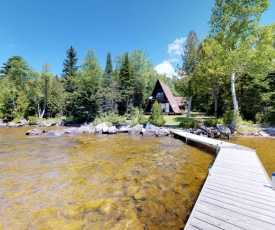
(228,117)
(210,122)
(156,117)
(33,120)
(190,123)
(268,118)
(113,118)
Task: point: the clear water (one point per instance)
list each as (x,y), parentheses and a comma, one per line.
(97,182)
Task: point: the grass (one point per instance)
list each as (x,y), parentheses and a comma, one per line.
(174,120)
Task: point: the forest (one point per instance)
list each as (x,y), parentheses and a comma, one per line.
(230,74)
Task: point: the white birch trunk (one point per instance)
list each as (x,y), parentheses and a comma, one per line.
(215,95)
(189,107)
(235,102)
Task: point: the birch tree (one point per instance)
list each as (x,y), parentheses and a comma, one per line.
(232,23)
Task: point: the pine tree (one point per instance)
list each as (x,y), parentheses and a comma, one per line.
(189,62)
(109,89)
(126,85)
(70,70)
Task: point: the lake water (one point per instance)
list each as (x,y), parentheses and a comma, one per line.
(97,181)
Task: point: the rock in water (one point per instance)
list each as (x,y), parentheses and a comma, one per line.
(35,132)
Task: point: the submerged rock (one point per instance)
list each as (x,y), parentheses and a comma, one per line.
(35,132)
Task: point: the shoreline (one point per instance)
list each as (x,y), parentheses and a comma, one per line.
(245,131)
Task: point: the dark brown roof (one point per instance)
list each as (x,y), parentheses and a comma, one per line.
(170,98)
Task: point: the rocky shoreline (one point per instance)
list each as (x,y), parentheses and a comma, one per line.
(103,128)
(145,130)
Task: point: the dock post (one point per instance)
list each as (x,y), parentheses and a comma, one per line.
(209,169)
(273,181)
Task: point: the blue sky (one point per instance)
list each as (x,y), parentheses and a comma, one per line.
(42,30)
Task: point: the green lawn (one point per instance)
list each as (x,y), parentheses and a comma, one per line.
(174,120)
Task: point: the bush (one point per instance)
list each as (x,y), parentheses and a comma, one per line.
(33,120)
(138,118)
(268,118)
(228,117)
(210,122)
(113,118)
(190,123)
(156,117)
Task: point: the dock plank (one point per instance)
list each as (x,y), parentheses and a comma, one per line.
(237,193)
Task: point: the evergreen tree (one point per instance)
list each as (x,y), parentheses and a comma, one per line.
(189,62)
(70,70)
(126,85)
(86,98)
(109,88)
(157,117)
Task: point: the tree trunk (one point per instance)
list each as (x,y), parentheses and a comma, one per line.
(189,107)
(215,95)
(235,102)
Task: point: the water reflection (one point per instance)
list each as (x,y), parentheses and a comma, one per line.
(99,182)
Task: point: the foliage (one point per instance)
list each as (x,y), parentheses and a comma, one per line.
(33,120)
(188,123)
(113,118)
(69,72)
(157,117)
(126,85)
(210,122)
(138,117)
(85,100)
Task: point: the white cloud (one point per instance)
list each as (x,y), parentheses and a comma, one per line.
(165,68)
(176,48)
(174,60)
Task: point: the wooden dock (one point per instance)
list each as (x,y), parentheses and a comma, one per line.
(237,193)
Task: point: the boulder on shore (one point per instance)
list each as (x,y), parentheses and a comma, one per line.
(148,133)
(112,130)
(161,132)
(135,129)
(101,128)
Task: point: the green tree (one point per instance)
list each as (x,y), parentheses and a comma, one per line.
(15,76)
(109,88)
(69,72)
(157,117)
(189,62)
(233,25)
(56,97)
(86,98)
(126,85)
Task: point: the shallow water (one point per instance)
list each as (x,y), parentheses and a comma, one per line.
(97,182)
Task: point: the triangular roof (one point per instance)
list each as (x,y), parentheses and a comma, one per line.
(170,97)
(172,102)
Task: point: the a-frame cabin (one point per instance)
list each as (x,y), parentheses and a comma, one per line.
(164,96)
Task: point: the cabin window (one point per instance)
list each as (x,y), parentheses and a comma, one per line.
(165,107)
(159,96)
